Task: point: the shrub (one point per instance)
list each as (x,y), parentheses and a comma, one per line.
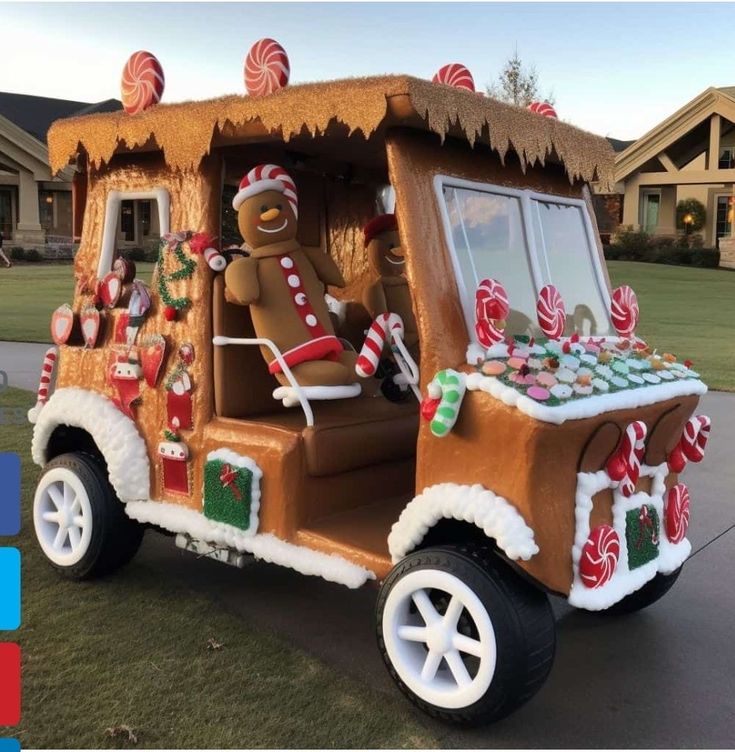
(17,253)
(134,254)
(665,251)
(34,255)
(693,208)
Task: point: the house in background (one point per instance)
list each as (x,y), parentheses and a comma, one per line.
(691,154)
(36,206)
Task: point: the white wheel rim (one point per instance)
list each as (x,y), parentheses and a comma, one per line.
(430,650)
(62,516)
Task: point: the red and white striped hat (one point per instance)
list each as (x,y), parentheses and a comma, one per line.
(267,177)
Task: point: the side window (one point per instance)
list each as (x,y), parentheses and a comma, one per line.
(567,250)
(524,240)
(489,240)
(132,217)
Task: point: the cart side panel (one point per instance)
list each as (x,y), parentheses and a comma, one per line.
(194,206)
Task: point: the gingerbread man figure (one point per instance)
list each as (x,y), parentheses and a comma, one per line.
(284,283)
(389,293)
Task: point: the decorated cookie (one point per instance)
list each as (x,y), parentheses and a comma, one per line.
(566,376)
(546,379)
(493,368)
(561,391)
(142,82)
(651,378)
(619,382)
(538,393)
(267,68)
(600,385)
(62,324)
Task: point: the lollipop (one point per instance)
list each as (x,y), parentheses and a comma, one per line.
(551,313)
(491,306)
(599,556)
(266,68)
(142,82)
(677,513)
(543,108)
(455,74)
(624,310)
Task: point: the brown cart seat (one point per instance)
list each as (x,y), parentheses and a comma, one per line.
(353,433)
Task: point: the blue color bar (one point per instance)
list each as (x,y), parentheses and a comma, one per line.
(9,588)
(9,745)
(9,493)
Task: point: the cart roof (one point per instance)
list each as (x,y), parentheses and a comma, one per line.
(364,107)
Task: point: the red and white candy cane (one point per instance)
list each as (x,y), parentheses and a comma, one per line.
(48,370)
(624,310)
(380,332)
(551,312)
(625,465)
(677,513)
(691,444)
(491,306)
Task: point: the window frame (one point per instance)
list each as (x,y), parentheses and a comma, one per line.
(112,209)
(536,254)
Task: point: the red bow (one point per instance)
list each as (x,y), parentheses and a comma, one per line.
(227,478)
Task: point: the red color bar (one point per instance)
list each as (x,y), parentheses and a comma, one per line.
(9,684)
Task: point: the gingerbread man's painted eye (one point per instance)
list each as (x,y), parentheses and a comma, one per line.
(263,209)
(279,207)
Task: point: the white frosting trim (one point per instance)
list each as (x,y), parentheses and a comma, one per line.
(115,435)
(586,407)
(240,460)
(474,504)
(265,546)
(625,581)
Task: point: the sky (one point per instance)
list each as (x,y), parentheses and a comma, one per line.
(616,69)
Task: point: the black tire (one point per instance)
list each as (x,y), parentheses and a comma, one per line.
(114,539)
(652,591)
(521,618)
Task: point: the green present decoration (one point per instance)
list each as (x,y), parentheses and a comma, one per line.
(642,528)
(232,489)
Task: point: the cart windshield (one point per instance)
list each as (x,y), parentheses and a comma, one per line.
(525,240)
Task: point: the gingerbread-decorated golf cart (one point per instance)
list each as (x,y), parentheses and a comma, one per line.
(379,345)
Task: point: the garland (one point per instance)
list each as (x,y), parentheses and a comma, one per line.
(186,269)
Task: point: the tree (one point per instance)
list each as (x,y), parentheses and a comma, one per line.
(517,84)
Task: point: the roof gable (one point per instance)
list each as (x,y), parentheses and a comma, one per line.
(710,102)
(35,114)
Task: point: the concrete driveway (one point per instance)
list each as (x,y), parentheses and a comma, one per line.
(659,678)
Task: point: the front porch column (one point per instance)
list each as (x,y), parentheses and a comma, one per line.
(714,143)
(631,204)
(28,233)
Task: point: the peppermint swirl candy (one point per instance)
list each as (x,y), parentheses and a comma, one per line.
(551,312)
(266,68)
(455,74)
(142,82)
(599,557)
(491,306)
(624,310)
(543,108)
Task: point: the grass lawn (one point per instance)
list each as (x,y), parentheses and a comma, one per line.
(130,650)
(690,312)
(30,293)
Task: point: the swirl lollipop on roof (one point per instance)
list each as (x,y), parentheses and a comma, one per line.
(142,82)
(551,312)
(455,74)
(491,306)
(266,68)
(624,311)
(543,108)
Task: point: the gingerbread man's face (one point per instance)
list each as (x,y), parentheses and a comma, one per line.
(386,255)
(266,219)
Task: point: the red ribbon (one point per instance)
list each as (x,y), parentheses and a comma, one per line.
(227,478)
